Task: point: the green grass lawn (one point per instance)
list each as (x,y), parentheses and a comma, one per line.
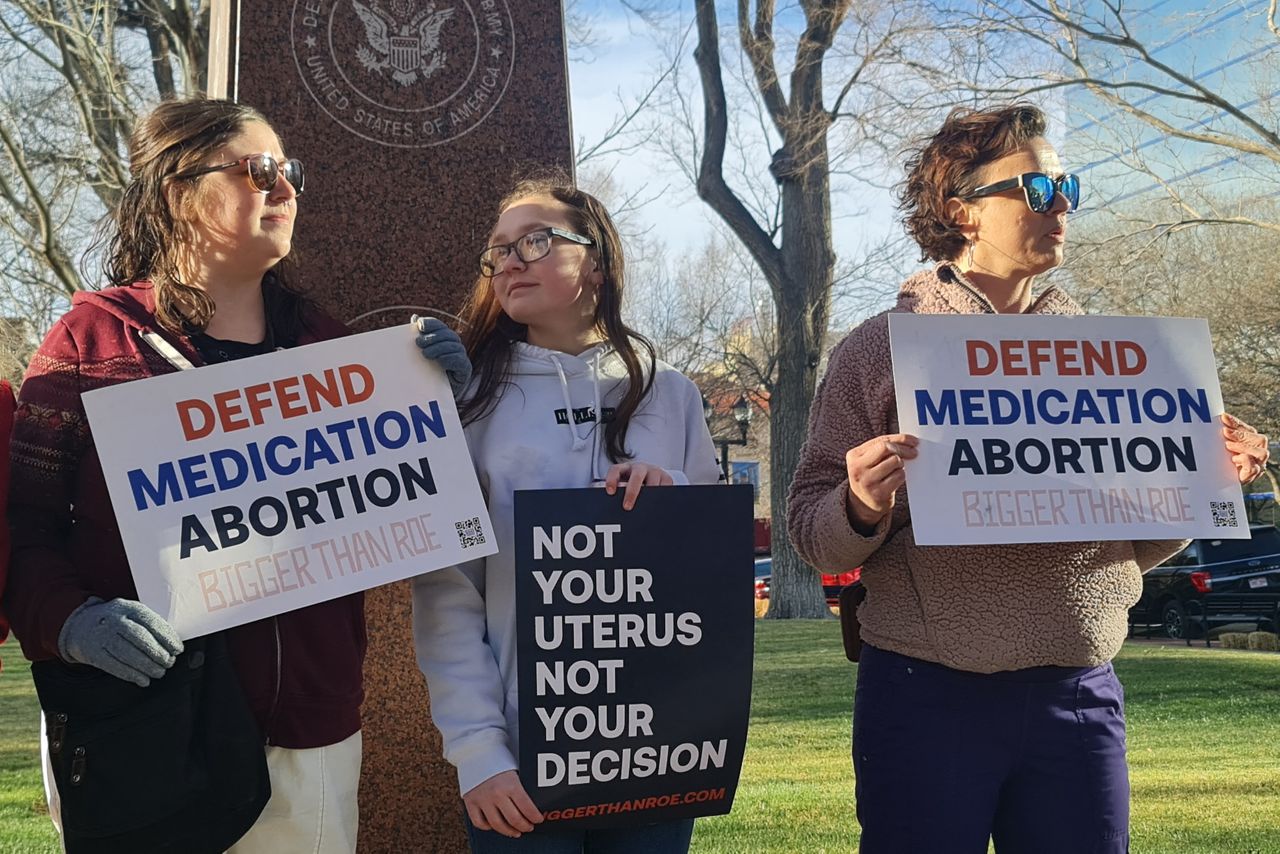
(1204,746)
(24,821)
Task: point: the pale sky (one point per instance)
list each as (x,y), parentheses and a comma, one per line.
(1216,44)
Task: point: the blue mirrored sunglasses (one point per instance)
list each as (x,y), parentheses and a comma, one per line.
(1041,190)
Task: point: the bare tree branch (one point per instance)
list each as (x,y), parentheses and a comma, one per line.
(758,47)
(37,214)
(73,84)
(621,124)
(711,184)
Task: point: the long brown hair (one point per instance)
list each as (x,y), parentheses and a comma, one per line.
(489,332)
(146,238)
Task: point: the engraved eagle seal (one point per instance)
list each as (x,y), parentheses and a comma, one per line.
(404,42)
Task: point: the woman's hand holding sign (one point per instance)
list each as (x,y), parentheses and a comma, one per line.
(1248,447)
(502,804)
(876,471)
(636,474)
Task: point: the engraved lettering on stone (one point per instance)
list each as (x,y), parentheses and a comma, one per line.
(405,73)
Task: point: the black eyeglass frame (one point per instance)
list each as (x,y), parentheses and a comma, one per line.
(1021,181)
(514,246)
(280,168)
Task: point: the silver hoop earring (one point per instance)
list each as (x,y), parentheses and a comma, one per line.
(972,243)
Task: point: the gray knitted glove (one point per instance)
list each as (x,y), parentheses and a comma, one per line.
(123,637)
(441,344)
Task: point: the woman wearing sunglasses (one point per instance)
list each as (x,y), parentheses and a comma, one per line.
(195,276)
(986,706)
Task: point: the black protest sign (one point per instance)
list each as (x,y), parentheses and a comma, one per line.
(635,633)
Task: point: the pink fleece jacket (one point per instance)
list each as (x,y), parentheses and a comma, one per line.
(976,608)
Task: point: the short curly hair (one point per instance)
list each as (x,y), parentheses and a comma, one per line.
(947,164)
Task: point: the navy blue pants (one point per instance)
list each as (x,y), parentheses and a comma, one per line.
(946,760)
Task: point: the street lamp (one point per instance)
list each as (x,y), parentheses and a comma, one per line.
(741,410)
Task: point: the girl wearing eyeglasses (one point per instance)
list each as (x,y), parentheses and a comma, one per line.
(195,274)
(986,706)
(563,395)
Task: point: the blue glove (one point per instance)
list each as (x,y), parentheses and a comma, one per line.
(441,344)
(122,637)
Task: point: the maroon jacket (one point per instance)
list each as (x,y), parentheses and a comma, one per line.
(301,671)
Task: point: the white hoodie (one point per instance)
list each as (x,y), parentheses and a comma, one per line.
(464,617)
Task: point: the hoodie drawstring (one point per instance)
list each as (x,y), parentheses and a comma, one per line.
(578,439)
(595,383)
(164,348)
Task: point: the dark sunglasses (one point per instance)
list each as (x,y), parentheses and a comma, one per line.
(263,169)
(1040,189)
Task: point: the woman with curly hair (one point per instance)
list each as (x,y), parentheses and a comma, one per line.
(986,705)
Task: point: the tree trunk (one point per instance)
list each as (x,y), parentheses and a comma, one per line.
(158,40)
(800,270)
(802,296)
(795,589)
(803,302)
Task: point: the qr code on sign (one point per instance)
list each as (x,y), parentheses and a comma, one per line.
(1224,514)
(469,532)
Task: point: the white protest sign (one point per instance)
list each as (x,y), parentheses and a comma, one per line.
(251,488)
(1051,429)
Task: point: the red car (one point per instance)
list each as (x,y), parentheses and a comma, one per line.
(832,582)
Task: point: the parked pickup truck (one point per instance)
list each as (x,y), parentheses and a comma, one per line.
(1214,583)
